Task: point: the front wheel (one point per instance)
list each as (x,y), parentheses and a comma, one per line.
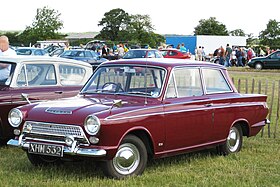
(259,66)
(130,159)
(42,160)
(234,141)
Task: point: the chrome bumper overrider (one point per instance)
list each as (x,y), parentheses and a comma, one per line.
(67,150)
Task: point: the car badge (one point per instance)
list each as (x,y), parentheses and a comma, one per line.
(56,111)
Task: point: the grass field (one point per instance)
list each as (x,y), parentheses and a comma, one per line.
(257,164)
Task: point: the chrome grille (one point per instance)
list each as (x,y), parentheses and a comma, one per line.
(51,131)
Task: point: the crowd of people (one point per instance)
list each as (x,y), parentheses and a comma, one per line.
(229,56)
(238,56)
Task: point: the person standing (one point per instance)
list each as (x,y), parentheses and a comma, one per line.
(120,50)
(239,57)
(199,53)
(221,56)
(4,47)
(228,55)
(5,50)
(183,48)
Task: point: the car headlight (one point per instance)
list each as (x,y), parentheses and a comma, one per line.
(92,125)
(15,117)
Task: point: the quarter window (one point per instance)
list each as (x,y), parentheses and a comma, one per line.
(71,75)
(215,82)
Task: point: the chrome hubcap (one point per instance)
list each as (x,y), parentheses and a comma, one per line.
(233,139)
(127,159)
(258,66)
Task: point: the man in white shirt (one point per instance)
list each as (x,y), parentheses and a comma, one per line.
(5,51)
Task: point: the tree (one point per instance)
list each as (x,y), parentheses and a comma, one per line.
(121,27)
(237,32)
(140,29)
(45,26)
(210,27)
(113,22)
(271,35)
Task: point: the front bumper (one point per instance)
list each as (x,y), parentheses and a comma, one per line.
(67,150)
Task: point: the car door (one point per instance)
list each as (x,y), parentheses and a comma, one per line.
(188,112)
(219,91)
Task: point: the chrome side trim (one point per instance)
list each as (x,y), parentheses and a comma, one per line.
(67,150)
(115,117)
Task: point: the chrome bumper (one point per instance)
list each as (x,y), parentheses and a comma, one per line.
(67,150)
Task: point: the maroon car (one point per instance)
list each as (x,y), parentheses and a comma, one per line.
(132,110)
(175,53)
(28,79)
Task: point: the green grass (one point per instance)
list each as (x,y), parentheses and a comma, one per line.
(257,164)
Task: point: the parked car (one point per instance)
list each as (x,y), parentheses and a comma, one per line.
(271,61)
(31,51)
(84,55)
(142,53)
(37,79)
(122,117)
(175,53)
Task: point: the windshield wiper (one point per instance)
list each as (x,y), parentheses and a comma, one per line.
(139,93)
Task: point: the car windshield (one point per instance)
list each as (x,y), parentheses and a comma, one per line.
(127,80)
(6,72)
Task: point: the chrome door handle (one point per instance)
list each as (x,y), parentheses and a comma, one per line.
(208,104)
(58,92)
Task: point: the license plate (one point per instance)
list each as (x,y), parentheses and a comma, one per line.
(45,149)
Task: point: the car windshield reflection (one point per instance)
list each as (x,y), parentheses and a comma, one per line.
(127,80)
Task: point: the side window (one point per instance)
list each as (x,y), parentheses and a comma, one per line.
(173,53)
(215,82)
(151,54)
(37,75)
(158,55)
(171,88)
(276,55)
(37,52)
(71,75)
(88,54)
(188,82)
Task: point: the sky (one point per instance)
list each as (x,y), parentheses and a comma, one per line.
(167,17)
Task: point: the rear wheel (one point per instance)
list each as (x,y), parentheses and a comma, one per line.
(42,160)
(130,159)
(234,141)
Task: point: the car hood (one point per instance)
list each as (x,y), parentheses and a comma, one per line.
(75,110)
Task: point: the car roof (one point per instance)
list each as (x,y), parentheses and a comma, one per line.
(164,62)
(142,49)
(20,59)
(170,49)
(29,48)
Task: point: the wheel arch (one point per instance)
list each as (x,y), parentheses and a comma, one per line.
(244,126)
(145,136)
